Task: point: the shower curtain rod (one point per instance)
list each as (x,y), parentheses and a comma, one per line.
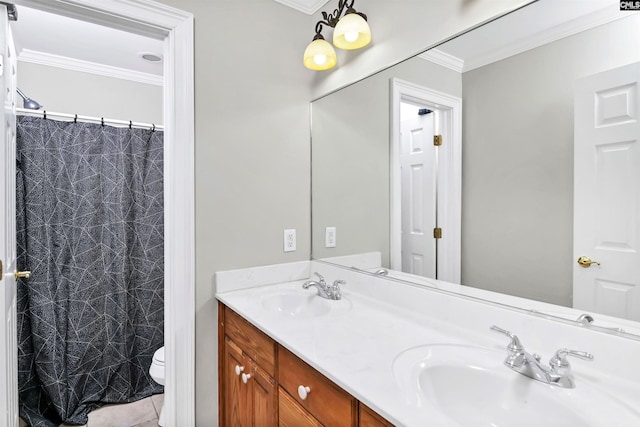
(99,120)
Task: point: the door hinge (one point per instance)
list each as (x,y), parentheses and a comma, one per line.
(437,140)
(1,273)
(437,233)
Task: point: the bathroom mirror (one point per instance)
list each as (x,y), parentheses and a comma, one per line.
(517,78)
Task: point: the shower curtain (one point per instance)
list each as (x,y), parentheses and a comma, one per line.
(90,229)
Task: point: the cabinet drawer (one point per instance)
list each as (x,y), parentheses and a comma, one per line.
(368,418)
(327,402)
(254,343)
(293,415)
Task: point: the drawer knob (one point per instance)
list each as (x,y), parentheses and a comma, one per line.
(245,378)
(239,369)
(303,392)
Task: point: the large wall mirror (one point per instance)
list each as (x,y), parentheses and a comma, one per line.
(539,163)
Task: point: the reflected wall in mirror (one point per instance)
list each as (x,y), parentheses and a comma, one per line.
(518,84)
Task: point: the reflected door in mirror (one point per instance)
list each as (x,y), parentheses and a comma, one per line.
(418,175)
(607,192)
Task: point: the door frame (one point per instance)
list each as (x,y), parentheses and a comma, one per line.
(449,183)
(175,27)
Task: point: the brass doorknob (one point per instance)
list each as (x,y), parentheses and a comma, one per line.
(586,262)
(23,274)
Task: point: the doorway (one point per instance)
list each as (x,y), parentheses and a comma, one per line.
(175,27)
(439,176)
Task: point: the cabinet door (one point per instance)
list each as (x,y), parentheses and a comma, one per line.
(290,414)
(236,401)
(263,398)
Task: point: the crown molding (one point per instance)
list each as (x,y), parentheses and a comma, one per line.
(441,58)
(42,58)
(583,23)
(558,32)
(308,7)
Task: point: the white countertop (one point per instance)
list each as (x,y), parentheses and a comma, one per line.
(356,343)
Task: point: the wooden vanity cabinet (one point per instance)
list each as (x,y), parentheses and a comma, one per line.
(259,380)
(247,374)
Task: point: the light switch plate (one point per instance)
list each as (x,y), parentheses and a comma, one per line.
(290,240)
(330,237)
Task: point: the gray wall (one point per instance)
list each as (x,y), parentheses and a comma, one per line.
(350,152)
(252,131)
(252,153)
(252,138)
(518,162)
(74,92)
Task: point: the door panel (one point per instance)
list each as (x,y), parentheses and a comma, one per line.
(607,192)
(8,329)
(417,169)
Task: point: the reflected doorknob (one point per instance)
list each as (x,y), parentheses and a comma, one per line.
(23,274)
(586,262)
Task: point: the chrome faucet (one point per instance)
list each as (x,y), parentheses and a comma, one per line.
(324,290)
(559,370)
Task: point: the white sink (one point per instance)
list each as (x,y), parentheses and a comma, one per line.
(470,386)
(296,304)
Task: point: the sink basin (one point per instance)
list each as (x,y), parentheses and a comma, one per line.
(297,304)
(469,386)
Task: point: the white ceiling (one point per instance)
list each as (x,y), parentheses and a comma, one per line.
(50,39)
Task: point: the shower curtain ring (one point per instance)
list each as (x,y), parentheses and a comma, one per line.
(45,114)
(154,128)
(75,119)
(102,121)
(130,124)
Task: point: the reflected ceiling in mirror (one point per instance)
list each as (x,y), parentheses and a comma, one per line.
(518,78)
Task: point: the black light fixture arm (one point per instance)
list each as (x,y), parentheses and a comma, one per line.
(332,19)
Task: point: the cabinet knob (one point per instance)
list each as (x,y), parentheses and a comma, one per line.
(245,378)
(303,392)
(239,369)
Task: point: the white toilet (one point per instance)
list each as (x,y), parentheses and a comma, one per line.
(156,370)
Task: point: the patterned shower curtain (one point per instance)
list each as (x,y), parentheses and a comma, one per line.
(90,229)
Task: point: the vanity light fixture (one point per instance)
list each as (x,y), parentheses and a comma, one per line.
(351,31)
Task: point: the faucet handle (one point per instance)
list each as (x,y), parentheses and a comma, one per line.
(335,289)
(515,346)
(559,360)
(320,277)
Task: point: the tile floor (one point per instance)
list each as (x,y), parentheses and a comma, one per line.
(143,413)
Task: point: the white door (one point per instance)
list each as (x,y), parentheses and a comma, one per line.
(8,329)
(607,193)
(418,181)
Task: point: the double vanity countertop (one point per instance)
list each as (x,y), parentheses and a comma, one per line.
(379,339)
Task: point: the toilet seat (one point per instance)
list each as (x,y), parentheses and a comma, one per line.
(158,356)
(156,370)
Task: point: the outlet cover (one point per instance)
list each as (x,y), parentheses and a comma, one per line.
(330,237)
(290,240)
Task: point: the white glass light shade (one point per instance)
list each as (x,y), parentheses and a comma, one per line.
(320,55)
(351,32)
